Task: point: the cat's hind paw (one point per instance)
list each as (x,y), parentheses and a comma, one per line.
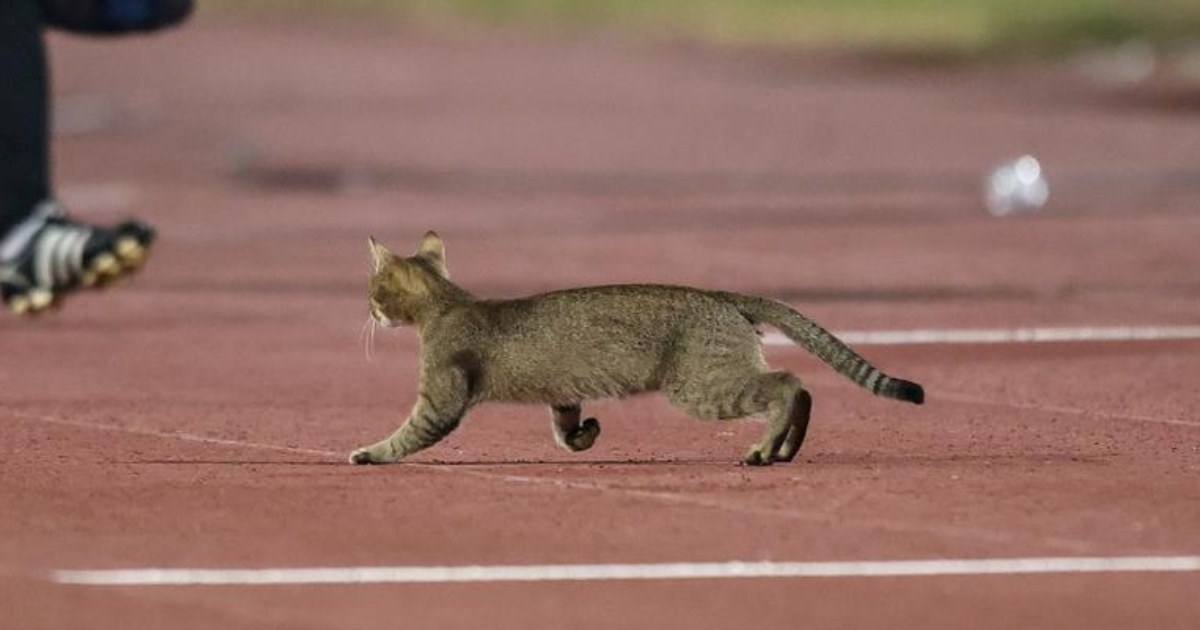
(756,458)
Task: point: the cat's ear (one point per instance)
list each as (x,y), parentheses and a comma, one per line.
(380,256)
(433,249)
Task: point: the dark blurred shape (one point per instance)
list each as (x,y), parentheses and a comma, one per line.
(112,17)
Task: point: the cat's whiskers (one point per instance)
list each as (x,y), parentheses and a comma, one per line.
(375,327)
(367,334)
(371,340)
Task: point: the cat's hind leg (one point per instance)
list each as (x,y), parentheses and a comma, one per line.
(787,406)
(569,432)
(719,373)
(777,395)
(800,414)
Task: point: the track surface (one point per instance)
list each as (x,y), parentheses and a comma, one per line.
(199,417)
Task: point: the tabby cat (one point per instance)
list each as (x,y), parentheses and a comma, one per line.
(701,348)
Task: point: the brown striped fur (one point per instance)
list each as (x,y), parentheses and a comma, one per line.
(700,348)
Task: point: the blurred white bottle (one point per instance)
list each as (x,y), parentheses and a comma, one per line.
(1016,187)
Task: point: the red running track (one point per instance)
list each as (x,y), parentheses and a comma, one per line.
(199,416)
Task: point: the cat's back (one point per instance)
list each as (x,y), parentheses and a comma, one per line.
(605,309)
(586,342)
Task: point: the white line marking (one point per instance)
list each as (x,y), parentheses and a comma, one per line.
(828,380)
(1002,335)
(589,572)
(822,516)
(674,498)
(818,515)
(1051,409)
(173,435)
(649,495)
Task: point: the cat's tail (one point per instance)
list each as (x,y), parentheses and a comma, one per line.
(825,346)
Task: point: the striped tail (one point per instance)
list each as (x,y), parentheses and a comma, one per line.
(825,347)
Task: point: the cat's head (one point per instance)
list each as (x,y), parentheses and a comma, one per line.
(400,286)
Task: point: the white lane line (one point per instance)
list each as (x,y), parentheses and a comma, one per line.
(819,515)
(1002,335)
(1074,411)
(173,435)
(673,498)
(591,572)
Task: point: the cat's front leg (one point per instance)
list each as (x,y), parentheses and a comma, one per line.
(437,412)
(423,428)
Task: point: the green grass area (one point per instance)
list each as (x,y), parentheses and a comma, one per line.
(966,26)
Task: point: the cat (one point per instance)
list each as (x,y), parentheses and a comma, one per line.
(700,348)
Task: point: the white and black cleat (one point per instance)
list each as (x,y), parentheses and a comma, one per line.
(59,255)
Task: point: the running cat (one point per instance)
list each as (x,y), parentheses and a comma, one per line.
(701,348)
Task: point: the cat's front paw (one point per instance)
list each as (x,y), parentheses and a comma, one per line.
(585,436)
(377,454)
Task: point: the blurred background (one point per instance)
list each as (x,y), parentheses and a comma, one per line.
(708,128)
(970,27)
